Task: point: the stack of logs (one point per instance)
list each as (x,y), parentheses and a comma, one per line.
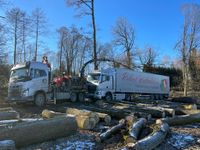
(133,120)
(85,119)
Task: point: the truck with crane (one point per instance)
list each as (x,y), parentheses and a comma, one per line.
(30,81)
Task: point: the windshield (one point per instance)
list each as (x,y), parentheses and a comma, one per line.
(19,73)
(93,78)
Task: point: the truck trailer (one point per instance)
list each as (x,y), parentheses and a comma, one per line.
(122,83)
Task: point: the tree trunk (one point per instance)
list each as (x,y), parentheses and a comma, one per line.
(8,115)
(136,128)
(94,37)
(180,120)
(39,131)
(154,140)
(104,136)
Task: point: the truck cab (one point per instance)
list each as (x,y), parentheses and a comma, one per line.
(102,84)
(28,81)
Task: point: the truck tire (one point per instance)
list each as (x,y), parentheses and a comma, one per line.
(108,97)
(40,99)
(73,97)
(81,97)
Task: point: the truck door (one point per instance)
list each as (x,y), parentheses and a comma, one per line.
(39,80)
(106,83)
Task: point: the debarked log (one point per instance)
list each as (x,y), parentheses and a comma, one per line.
(39,131)
(137,127)
(6,115)
(152,141)
(180,120)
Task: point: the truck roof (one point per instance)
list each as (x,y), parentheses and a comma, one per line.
(34,64)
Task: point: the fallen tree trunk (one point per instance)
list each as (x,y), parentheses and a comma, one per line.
(6,109)
(180,120)
(136,128)
(189,112)
(104,136)
(105,117)
(6,115)
(154,140)
(7,145)
(39,131)
(51,114)
(83,112)
(119,114)
(188,107)
(188,100)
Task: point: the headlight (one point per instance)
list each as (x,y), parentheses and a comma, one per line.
(25,92)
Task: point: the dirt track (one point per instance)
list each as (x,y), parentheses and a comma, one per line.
(181,137)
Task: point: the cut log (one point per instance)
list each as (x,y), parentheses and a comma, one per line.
(188,107)
(119,114)
(142,115)
(39,131)
(7,145)
(102,137)
(105,117)
(51,114)
(189,112)
(85,122)
(154,140)
(6,109)
(180,120)
(6,115)
(188,100)
(136,128)
(83,112)
(169,112)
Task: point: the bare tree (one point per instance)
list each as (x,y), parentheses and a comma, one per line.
(189,39)
(63,32)
(39,26)
(147,56)
(25,33)
(87,8)
(124,37)
(14,17)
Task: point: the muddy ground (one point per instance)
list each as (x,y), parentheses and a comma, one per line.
(180,137)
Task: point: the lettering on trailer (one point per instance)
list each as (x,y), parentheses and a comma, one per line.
(140,80)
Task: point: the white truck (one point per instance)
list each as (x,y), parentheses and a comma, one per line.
(121,83)
(30,81)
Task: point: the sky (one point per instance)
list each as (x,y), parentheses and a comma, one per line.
(157,23)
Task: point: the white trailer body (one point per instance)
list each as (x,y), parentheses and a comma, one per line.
(120,83)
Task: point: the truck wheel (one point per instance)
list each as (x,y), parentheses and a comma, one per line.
(81,97)
(73,97)
(108,97)
(40,99)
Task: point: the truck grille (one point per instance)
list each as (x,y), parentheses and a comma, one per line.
(14,91)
